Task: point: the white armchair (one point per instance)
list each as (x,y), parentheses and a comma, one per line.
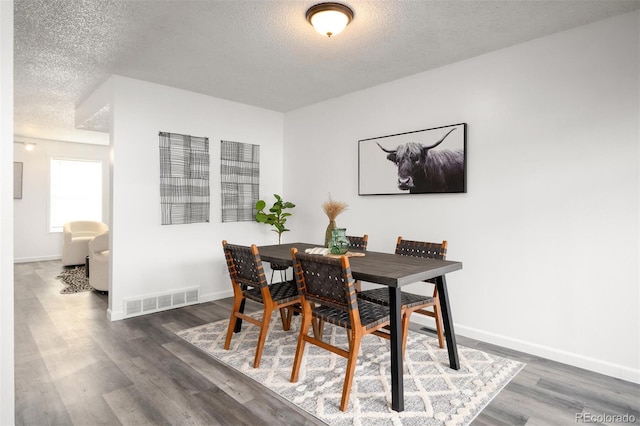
(99,262)
(75,246)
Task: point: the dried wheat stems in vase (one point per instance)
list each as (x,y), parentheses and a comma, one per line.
(332,209)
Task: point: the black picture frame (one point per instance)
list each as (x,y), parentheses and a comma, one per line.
(429,161)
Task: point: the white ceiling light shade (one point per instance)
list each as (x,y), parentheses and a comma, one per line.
(329,18)
(28,146)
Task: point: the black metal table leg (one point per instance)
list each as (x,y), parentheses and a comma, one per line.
(447,319)
(397,383)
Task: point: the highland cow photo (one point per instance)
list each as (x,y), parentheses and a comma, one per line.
(419,162)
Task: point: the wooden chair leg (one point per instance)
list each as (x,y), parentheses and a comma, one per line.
(286,315)
(354,348)
(304,331)
(438,318)
(405,330)
(232,321)
(264,330)
(232,325)
(317,330)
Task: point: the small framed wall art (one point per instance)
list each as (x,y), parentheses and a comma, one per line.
(17,180)
(420,162)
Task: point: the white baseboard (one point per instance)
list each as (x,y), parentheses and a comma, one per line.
(576,360)
(573,359)
(559,355)
(37,258)
(216,296)
(114,316)
(117,315)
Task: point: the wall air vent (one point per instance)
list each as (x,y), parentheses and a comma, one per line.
(160,302)
(178,298)
(164,301)
(132,307)
(149,304)
(191,295)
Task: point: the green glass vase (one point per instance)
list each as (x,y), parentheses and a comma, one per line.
(339,243)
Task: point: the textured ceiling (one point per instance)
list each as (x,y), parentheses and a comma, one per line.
(261,53)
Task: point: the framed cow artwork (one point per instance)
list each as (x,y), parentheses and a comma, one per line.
(430,161)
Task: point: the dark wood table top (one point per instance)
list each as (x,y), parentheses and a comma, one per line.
(382,268)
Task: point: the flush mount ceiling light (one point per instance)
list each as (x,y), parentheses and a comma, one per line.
(329,18)
(28,146)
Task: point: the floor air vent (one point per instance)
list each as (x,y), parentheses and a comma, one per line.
(160,302)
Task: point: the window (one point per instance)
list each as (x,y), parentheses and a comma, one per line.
(76,192)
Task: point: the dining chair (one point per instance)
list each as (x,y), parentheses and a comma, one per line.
(420,304)
(249,282)
(281,268)
(358,244)
(327,292)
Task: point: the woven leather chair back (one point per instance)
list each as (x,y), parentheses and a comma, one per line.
(245,266)
(358,243)
(421,249)
(326,281)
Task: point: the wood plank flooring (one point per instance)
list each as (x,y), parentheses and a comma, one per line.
(73,367)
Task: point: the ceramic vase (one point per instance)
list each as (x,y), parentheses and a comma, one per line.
(327,234)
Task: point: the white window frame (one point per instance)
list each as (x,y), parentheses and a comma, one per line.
(55,228)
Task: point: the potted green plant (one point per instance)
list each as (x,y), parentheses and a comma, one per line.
(276,216)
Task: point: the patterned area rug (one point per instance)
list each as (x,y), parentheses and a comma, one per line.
(75,280)
(434,394)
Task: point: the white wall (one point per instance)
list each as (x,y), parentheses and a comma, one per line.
(548,231)
(7,392)
(32,239)
(147,257)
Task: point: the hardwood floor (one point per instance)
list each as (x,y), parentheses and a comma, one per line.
(73,367)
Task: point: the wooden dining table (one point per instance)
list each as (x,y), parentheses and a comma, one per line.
(394,271)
